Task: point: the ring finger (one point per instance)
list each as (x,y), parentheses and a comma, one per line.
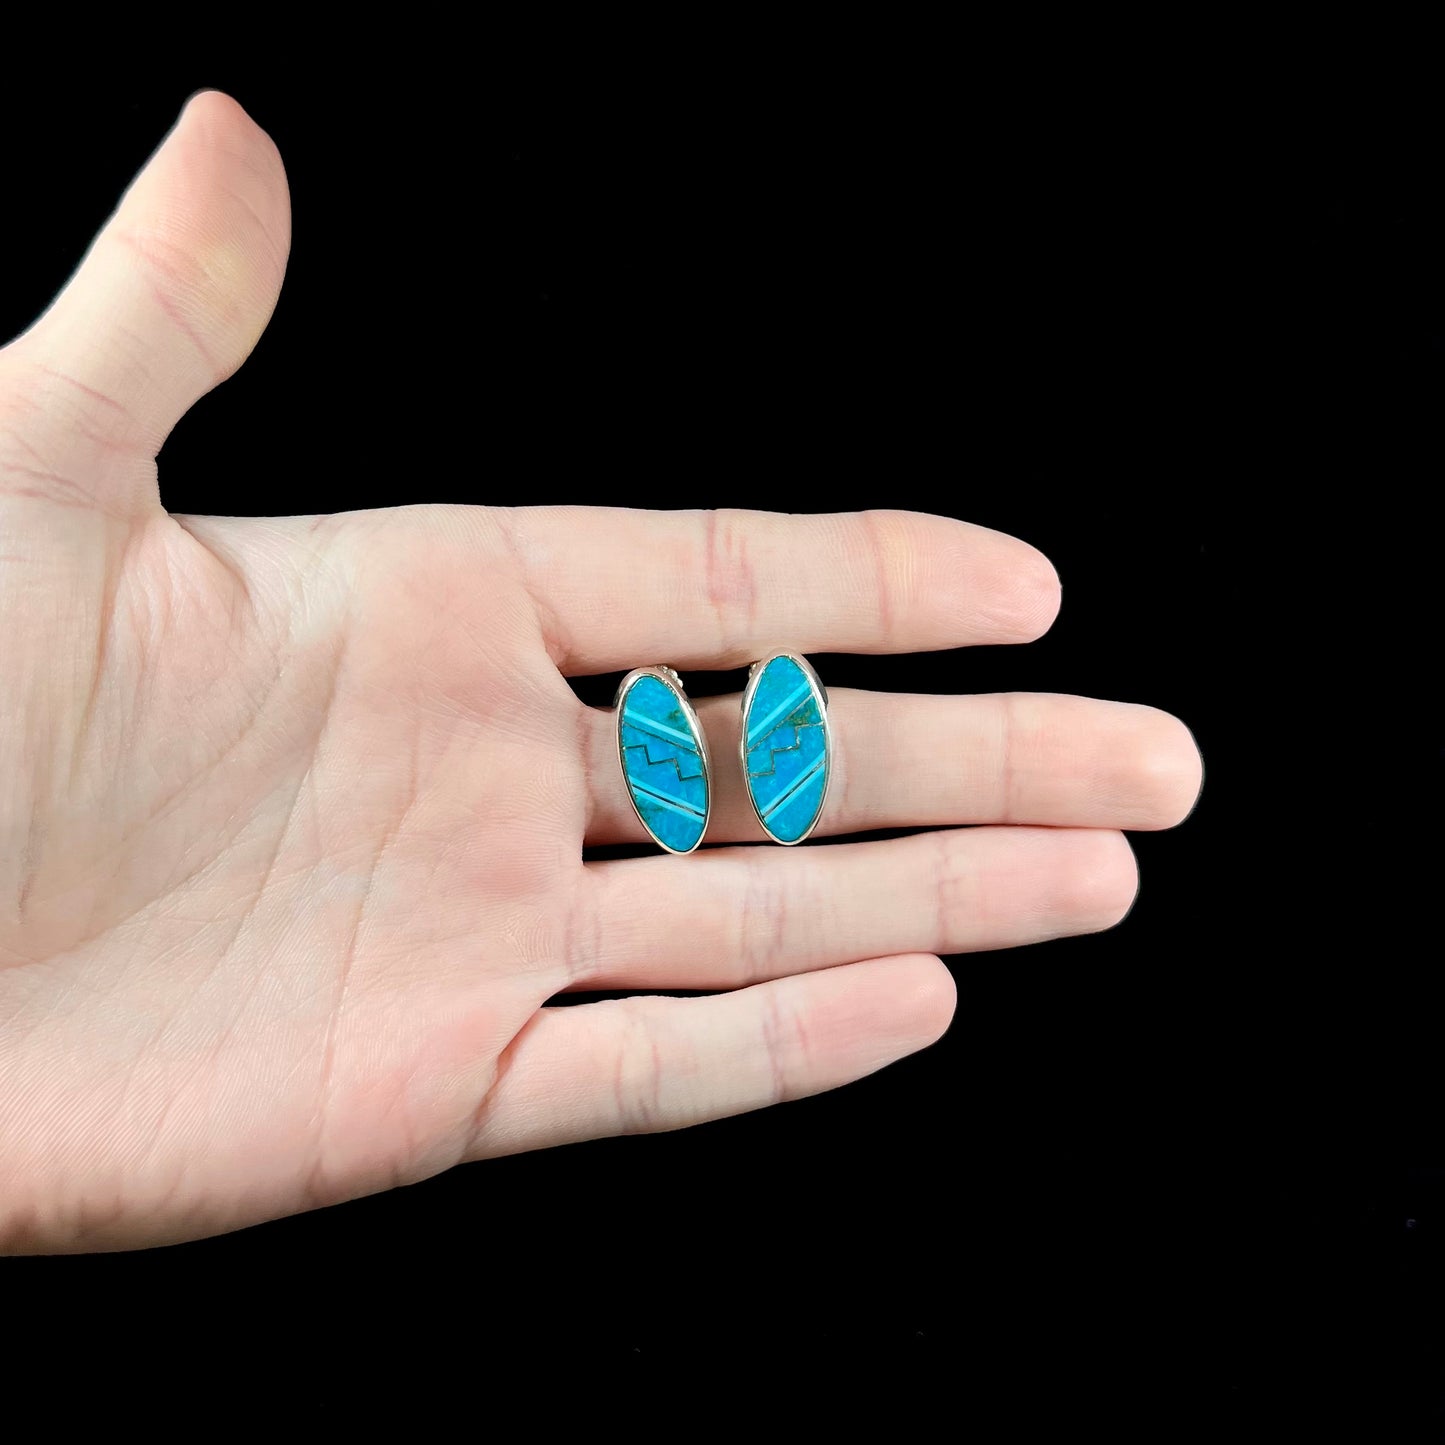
(734,916)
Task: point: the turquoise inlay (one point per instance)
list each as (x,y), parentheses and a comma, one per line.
(642,723)
(784,756)
(689,763)
(791,818)
(661,758)
(761,723)
(656,786)
(785,797)
(787,758)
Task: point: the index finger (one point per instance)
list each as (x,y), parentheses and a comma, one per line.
(616,587)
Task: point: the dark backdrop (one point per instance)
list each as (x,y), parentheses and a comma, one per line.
(1149,1163)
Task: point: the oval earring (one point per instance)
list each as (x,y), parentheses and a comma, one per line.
(663,756)
(787,746)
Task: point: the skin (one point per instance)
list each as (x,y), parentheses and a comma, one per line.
(292,821)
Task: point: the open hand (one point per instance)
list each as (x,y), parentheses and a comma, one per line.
(293,809)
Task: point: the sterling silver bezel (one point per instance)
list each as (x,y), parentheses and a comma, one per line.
(669,677)
(820,695)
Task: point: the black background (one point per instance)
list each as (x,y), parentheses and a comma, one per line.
(1169,1167)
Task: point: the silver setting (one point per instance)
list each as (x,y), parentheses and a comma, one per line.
(669,678)
(820,694)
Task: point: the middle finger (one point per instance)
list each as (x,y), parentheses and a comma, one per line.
(903,760)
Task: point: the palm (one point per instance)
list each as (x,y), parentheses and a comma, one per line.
(313,835)
(294,861)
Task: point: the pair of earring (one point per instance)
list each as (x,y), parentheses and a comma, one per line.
(785,749)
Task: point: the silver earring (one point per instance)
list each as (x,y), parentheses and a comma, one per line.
(663,756)
(786,745)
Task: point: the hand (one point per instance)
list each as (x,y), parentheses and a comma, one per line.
(292,826)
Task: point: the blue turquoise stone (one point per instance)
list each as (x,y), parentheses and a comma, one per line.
(662,761)
(787,750)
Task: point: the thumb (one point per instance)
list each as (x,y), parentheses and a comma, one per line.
(170,299)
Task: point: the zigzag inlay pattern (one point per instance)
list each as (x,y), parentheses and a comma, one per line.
(662,762)
(774,750)
(694,761)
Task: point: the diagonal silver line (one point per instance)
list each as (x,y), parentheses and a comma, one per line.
(762,729)
(657,729)
(675,804)
(786,797)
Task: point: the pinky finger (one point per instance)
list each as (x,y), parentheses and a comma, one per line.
(640,1065)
